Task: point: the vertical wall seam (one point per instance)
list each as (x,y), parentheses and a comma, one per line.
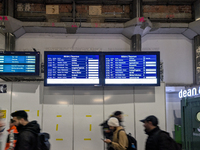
(73,103)
(103,112)
(11,92)
(134,111)
(42,102)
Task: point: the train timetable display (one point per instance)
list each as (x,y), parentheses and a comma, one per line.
(72,69)
(131,69)
(17,64)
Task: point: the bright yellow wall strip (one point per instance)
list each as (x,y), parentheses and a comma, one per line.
(57,127)
(38,113)
(90,127)
(59,139)
(88,115)
(87,139)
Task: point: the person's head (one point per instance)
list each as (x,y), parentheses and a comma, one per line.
(113,123)
(150,123)
(20,117)
(12,123)
(119,115)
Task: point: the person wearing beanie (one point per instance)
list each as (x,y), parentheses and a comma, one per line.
(120,140)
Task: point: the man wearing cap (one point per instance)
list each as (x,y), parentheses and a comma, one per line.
(120,140)
(156,140)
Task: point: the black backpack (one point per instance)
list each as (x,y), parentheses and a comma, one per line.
(43,141)
(173,144)
(132,143)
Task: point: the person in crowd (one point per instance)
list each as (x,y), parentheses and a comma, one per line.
(2,124)
(28,131)
(12,136)
(157,139)
(106,130)
(120,140)
(119,116)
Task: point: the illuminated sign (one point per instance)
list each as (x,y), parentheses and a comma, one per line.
(189,92)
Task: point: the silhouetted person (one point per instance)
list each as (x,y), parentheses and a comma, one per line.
(28,131)
(119,142)
(12,136)
(157,139)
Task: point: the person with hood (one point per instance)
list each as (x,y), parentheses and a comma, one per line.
(120,140)
(28,131)
(12,136)
(157,139)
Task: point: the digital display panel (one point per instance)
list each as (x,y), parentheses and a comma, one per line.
(19,63)
(136,68)
(75,68)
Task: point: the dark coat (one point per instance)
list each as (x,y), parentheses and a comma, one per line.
(106,131)
(158,140)
(27,137)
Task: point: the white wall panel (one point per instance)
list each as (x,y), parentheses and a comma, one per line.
(5,101)
(88,114)
(26,96)
(145,109)
(2,42)
(58,116)
(173,111)
(176,54)
(57,121)
(120,99)
(176,50)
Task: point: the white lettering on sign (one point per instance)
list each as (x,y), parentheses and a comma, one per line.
(189,92)
(196,134)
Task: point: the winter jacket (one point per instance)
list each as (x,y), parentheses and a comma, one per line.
(27,137)
(12,138)
(120,143)
(158,140)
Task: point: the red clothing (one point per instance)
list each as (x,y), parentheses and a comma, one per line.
(12,138)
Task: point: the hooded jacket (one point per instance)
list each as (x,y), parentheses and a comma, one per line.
(120,143)
(27,137)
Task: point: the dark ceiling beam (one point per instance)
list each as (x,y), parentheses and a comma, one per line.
(171,20)
(105,2)
(109,2)
(32,19)
(46,1)
(169,2)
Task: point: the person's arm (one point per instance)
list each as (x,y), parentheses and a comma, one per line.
(11,142)
(122,142)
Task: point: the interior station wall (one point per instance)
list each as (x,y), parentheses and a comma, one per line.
(175,49)
(72,115)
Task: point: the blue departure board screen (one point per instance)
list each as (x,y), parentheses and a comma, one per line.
(19,63)
(132,68)
(63,68)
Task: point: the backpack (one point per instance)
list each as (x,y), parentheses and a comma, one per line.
(132,143)
(173,144)
(43,141)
